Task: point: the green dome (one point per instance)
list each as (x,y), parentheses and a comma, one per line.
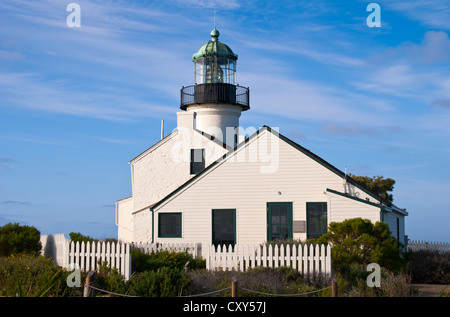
(214,48)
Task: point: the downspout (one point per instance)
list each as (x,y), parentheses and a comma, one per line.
(153,224)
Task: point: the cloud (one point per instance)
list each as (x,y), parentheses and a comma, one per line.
(434,48)
(348,129)
(434,13)
(7,163)
(14,202)
(441,103)
(225,4)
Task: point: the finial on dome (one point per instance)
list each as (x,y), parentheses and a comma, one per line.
(215,35)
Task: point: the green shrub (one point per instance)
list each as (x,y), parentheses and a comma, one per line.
(15,238)
(24,275)
(358,240)
(78,237)
(141,261)
(168,282)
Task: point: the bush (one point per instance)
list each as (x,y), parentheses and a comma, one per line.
(168,282)
(16,239)
(78,237)
(391,285)
(428,266)
(25,275)
(260,281)
(141,261)
(358,240)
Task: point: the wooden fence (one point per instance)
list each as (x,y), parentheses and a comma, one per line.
(307,259)
(87,256)
(441,247)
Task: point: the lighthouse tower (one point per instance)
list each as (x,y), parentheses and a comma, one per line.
(215,97)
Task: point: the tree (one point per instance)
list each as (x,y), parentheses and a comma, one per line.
(377,184)
(360,241)
(15,238)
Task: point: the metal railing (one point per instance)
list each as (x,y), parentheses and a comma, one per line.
(215,93)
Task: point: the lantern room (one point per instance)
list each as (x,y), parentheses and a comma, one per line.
(215,62)
(215,77)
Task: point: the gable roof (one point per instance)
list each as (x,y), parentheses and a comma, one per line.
(308,153)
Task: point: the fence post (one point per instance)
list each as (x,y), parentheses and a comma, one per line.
(234,288)
(334,289)
(91,279)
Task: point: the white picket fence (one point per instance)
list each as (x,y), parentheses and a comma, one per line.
(414,245)
(88,256)
(307,259)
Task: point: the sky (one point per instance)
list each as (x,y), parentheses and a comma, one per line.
(78,103)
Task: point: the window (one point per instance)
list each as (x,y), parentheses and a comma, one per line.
(224,227)
(316,218)
(279,221)
(197,160)
(169,225)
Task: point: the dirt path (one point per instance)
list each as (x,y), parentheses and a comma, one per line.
(430,290)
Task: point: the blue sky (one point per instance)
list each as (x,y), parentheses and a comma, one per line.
(77,104)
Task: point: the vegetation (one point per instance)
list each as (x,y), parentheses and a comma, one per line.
(78,237)
(430,267)
(356,243)
(358,240)
(378,185)
(15,238)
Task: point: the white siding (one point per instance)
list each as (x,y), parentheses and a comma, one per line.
(342,208)
(165,167)
(125,219)
(249,179)
(391,219)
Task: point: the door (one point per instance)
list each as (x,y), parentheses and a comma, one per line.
(279,221)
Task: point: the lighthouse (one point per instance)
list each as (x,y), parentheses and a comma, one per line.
(215,99)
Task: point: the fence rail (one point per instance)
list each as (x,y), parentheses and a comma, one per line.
(307,259)
(414,245)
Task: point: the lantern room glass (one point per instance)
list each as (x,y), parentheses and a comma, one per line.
(209,70)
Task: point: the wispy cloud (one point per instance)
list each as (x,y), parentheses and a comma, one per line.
(7,163)
(441,103)
(348,129)
(14,202)
(434,13)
